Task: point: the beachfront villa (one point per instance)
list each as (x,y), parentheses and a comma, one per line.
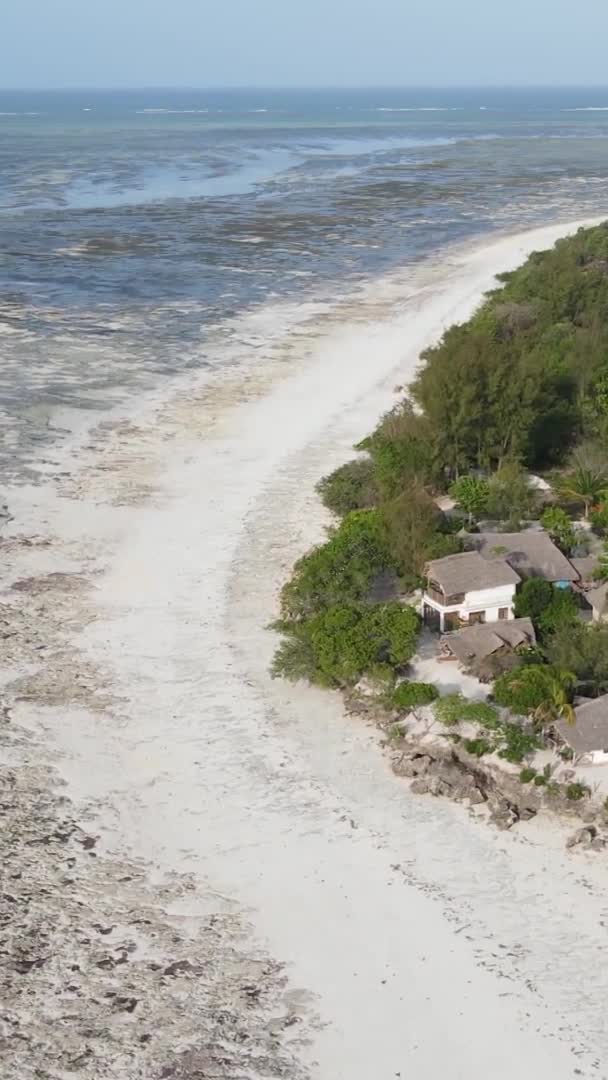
(479,585)
(465,589)
(588,736)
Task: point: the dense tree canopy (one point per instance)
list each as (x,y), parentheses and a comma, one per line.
(523,384)
(341,644)
(583,650)
(341,571)
(516,381)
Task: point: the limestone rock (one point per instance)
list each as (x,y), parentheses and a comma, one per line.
(583,837)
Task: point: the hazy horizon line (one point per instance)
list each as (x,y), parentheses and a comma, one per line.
(302,86)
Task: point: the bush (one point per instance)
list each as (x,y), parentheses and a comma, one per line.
(576,791)
(528,688)
(453,708)
(540,780)
(560,529)
(517,743)
(477,747)
(407,695)
(527,775)
(351,487)
(599,519)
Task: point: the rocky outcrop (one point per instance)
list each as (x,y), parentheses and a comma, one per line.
(442,767)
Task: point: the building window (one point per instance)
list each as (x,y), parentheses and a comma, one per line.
(503,613)
(477,616)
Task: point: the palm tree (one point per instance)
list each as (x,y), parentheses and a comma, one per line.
(557,705)
(587,483)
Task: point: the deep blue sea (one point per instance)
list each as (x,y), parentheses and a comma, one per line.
(134,224)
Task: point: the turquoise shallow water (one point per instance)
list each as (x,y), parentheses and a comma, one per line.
(132,224)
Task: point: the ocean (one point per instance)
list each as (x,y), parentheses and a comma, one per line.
(138,228)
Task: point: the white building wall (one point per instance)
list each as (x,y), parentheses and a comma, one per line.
(490,601)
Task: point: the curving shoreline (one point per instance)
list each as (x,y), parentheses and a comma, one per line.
(201,766)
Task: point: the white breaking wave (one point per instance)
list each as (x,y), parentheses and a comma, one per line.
(418,108)
(172,112)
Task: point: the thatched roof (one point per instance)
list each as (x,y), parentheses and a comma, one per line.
(474,643)
(532,553)
(598,598)
(469,572)
(590,731)
(585,567)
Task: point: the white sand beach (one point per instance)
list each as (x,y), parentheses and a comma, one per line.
(418,942)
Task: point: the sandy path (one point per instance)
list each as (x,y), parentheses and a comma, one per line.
(429,945)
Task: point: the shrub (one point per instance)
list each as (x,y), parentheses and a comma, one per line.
(599,519)
(351,487)
(407,695)
(528,689)
(527,775)
(560,529)
(576,791)
(478,747)
(517,743)
(454,707)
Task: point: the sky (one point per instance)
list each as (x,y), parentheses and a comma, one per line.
(205,43)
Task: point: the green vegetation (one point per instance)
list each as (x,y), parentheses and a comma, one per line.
(583,650)
(522,385)
(549,607)
(509,739)
(599,519)
(336,647)
(339,572)
(527,775)
(602,571)
(408,695)
(540,691)
(414,533)
(517,743)
(351,487)
(471,495)
(478,747)
(576,791)
(511,499)
(587,480)
(560,528)
(454,707)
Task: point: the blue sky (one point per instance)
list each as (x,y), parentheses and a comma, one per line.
(302,42)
